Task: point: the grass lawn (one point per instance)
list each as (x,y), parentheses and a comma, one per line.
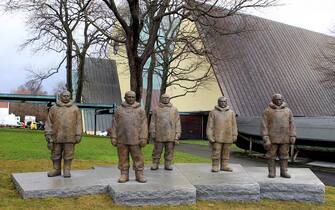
(195,141)
(202,142)
(25,151)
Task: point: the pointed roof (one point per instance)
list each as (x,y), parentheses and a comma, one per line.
(101,86)
(269,57)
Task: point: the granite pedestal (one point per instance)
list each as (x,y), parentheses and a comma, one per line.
(302,186)
(162,187)
(236,185)
(39,185)
(183,185)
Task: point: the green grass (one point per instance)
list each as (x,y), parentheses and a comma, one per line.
(202,142)
(25,151)
(21,144)
(195,141)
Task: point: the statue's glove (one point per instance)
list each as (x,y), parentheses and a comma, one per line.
(50,145)
(114,142)
(78,139)
(267,142)
(211,140)
(292,139)
(143,142)
(176,141)
(49,138)
(234,138)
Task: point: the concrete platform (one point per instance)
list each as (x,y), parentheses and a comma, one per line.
(39,185)
(183,185)
(162,188)
(236,185)
(303,185)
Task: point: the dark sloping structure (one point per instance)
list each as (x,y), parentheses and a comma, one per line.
(154,98)
(269,57)
(101,86)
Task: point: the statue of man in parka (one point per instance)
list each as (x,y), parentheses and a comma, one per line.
(129,134)
(165,130)
(221,133)
(63,129)
(278,132)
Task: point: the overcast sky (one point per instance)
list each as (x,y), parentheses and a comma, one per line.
(309,14)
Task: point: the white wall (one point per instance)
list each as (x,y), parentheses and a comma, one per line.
(4,111)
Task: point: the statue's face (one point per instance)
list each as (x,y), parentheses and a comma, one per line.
(165,99)
(65,97)
(278,100)
(130,98)
(222,102)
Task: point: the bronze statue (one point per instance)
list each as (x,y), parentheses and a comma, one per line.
(63,129)
(129,135)
(278,132)
(221,132)
(165,130)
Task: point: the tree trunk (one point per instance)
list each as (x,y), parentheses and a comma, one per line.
(136,70)
(164,79)
(149,85)
(81,65)
(69,65)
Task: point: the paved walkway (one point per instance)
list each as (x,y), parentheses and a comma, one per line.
(327,176)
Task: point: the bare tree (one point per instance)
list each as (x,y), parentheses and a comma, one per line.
(23,109)
(138,11)
(31,87)
(58,88)
(62,26)
(182,60)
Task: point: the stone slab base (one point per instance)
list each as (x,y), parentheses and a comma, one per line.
(162,188)
(236,185)
(183,185)
(303,185)
(39,185)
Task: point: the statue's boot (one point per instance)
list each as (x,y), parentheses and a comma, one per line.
(283,169)
(124,176)
(56,171)
(140,177)
(272,168)
(215,166)
(67,168)
(155,165)
(168,165)
(225,166)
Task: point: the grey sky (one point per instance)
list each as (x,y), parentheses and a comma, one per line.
(15,62)
(310,14)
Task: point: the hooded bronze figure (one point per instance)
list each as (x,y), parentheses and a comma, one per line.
(278,132)
(63,129)
(129,134)
(221,132)
(165,130)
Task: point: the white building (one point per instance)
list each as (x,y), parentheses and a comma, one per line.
(7,119)
(4,109)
